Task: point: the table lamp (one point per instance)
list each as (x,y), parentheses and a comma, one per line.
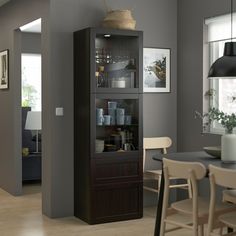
(33,122)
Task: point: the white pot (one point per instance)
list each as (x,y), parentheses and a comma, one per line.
(228,148)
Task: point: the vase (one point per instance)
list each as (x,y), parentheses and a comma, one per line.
(228,147)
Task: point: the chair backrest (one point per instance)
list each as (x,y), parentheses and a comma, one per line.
(181,169)
(155,143)
(223,177)
(192,171)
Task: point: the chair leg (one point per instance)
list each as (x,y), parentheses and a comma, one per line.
(221,231)
(195,232)
(159,183)
(201,230)
(163,228)
(195,229)
(164,206)
(189,189)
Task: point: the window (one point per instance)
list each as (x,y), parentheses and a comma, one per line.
(31,81)
(223,90)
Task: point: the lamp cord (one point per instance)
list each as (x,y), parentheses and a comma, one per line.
(231,20)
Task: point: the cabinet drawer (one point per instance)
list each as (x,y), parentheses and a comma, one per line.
(116,171)
(117,202)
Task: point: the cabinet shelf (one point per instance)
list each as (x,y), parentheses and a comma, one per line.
(116,126)
(120,151)
(117,90)
(109,68)
(117,156)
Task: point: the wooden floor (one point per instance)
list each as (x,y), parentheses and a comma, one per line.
(21,216)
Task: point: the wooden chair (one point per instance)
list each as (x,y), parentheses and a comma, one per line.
(159,143)
(224,178)
(191,213)
(229,196)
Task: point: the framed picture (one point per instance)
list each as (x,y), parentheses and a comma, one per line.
(156,70)
(4,69)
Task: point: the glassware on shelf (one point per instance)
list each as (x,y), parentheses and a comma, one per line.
(107,119)
(120,116)
(112,105)
(103,56)
(115,69)
(119,56)
(97,56)
(128,119)
(117,124)
(128,147)
(108,56)
(112,114)
(99,116)
(123,136)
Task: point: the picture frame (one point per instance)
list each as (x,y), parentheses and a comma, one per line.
(4,69)
(156,70)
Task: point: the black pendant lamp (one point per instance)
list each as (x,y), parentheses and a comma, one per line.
(225,66)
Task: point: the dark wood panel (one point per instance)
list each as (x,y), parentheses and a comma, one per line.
(116,171)
(114,168)
(117,202)
(81,125)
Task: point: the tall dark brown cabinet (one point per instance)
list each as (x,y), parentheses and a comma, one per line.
(108,125)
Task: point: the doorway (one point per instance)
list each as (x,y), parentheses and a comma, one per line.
(31,104)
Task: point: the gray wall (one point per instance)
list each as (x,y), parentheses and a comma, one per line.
(13,15)
(191,14)
(158,20)
(31,43)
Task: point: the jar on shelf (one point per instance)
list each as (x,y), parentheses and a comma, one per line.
(118,82)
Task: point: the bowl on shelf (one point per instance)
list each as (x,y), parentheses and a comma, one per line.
(110,148)
(214,151)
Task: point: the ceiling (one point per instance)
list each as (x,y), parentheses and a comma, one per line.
(32,27)
(2,2)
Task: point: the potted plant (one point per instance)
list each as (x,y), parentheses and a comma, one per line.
(228,140)
(214,114)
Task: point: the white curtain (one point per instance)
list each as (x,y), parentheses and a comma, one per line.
(219,27)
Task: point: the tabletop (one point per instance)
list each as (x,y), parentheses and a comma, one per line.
(201,157)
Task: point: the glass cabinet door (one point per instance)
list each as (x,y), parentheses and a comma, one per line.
(117,125)
(116,60)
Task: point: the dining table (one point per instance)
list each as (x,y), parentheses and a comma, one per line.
(197,156)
